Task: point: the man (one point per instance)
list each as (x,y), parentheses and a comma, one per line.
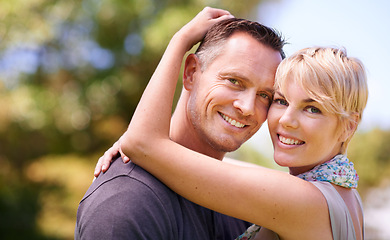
(227,91)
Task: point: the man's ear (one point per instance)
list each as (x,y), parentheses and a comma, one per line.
(349,126)
(192,65)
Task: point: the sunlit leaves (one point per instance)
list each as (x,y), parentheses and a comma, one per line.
(370,152)
(71,75)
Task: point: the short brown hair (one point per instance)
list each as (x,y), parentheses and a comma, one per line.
(218,34)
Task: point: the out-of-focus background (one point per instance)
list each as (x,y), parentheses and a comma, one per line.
(72,72)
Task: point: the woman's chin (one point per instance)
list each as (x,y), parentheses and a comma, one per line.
(282,159)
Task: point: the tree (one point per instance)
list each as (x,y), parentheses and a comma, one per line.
(371,155)
(71,75)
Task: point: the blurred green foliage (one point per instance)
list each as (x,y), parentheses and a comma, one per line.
(71,74)
(370,152)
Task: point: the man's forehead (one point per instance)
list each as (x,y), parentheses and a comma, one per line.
(244,57)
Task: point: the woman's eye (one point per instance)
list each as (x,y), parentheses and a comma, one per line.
(281,101)
(313,110)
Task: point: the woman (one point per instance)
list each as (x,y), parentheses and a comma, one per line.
(320,95)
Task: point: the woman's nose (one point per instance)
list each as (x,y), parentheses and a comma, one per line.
(289,118)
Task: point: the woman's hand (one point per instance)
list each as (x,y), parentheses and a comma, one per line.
(186,37)
(110,155)
(194,31)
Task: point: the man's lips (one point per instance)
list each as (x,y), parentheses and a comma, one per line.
(232,121)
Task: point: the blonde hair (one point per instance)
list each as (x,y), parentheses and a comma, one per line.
(328,76)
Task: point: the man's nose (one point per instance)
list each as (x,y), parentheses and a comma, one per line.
(246,103)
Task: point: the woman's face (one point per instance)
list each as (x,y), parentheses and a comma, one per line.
(302,132)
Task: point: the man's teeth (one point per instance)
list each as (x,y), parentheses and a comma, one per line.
(289,141)
(232,121)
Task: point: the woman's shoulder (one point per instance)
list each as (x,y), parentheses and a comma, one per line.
(345,208)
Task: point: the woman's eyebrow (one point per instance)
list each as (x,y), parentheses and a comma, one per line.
(279,93)
(309,100)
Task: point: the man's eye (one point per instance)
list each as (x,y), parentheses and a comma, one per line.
(264,95)
(234,81)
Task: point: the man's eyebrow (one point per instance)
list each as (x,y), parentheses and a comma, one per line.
(270,90)
(234,74)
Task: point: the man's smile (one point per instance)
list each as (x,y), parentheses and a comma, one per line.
(232,121)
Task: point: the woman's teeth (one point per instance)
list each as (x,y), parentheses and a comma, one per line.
(290,141)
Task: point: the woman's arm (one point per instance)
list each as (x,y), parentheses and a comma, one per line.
(164,80)
(270,198)
(153,112)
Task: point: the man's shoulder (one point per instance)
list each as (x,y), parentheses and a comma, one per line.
(131,198)
(128,178)
(144,208)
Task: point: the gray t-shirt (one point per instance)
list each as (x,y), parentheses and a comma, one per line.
(127,202)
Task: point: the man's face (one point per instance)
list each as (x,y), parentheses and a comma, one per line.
(229,100)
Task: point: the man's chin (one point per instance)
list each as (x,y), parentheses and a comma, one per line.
(226,146)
